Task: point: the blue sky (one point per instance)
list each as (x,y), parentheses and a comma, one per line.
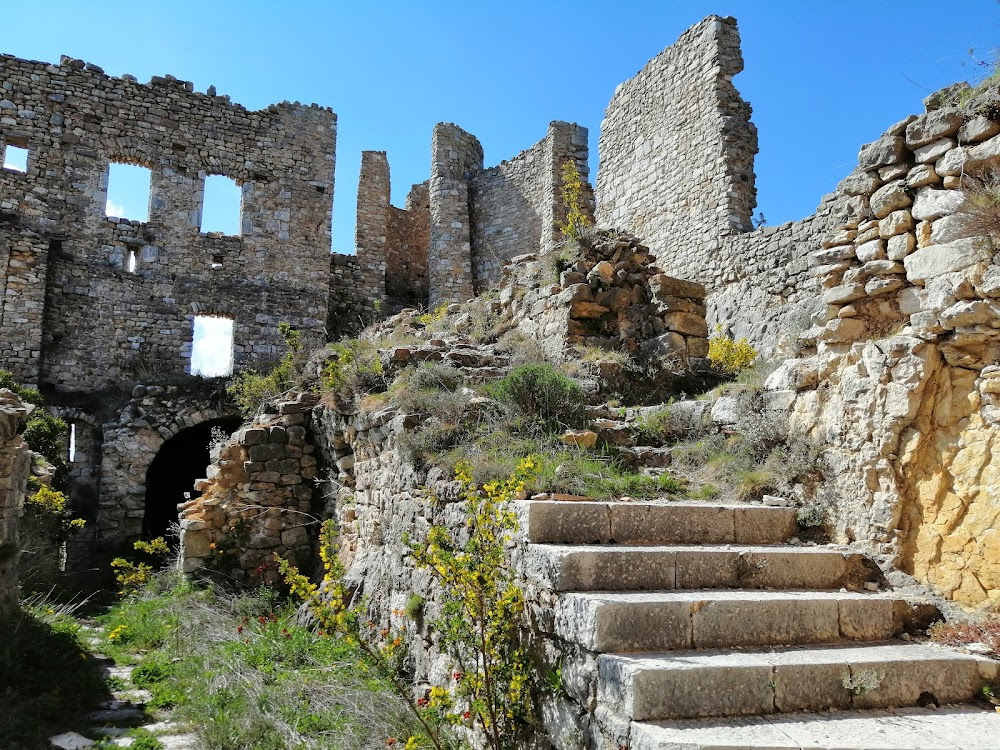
(823,77)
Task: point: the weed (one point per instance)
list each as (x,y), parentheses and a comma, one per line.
(980,212)
(415,607)
(863,682)
(251,390)
(986,631)
(571,191)
(811,516)
(48,679)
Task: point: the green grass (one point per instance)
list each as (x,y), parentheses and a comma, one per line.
(239,670)
(47,678)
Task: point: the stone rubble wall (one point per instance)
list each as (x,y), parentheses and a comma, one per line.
(128,445)
(677,148)
(406,280)
(15,468)
(391,243)
(94,317)
(900,377)
(612,297)
(257,501)
(455,156)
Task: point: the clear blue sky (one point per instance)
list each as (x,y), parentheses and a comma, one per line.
(823,77)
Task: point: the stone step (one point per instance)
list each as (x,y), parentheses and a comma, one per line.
(557,522)
(661,568)
(669,620)
(948,728)
(698,684)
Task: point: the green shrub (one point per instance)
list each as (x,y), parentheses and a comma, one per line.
(251,390)
(539,396)
(571,192)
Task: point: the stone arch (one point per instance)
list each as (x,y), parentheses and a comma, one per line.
(131,443)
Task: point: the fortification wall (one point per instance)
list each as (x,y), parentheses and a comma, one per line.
(901,380)
(516,206)
(676,167)
(89,299)
(482,218)
(15,467)
(409,239)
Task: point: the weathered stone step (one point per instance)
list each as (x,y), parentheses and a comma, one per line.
(661,621)
(697,684)
(950,728)
(661,567)
(556,522)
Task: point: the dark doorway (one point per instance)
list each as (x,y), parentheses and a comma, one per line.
(180,461)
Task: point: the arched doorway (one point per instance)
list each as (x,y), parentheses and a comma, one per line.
(180,461)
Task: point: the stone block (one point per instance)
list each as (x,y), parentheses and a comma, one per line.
(932,126)
(689,324)
(664,286)
(888,150)
(936,260)
(889,198)
(932,204)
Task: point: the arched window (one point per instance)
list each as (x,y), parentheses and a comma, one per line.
(222,208)
(128,192)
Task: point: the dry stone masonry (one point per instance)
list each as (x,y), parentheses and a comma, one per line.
(901,378)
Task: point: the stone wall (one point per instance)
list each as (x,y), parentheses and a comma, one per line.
(676,150)
(901,380)
(15,468)
(482,218)
(391,243)
(75,315)
(612,297)
(257,500)
(516,206)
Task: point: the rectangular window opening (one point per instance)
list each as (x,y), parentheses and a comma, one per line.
(217,262)
(222,207)
(131,259)
(128,192)
(212,346)
(15,158)
(71,455)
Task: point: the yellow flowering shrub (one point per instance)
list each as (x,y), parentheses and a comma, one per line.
(728,355)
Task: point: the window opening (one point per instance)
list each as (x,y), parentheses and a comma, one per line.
(212,346)
(128,192)
(15,158)
(131,259)
(72,442)
(217,262)
(222,207)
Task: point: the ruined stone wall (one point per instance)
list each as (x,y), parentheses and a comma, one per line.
(610,297)
(391,243)
(516,206)
(676,150)
(481,219)
(455,156)
(15,468)
(100,321)
(409,240)
(901,383)
(676,167)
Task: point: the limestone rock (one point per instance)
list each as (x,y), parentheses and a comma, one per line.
(579,438)
(889,198)
(933,126)
(932,204)
(933,261)
(888,150)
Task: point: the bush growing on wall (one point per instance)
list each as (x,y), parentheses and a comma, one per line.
(540,396)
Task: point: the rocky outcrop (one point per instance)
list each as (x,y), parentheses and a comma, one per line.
(15,468)
(900,379)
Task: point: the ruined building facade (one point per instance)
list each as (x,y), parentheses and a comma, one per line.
(92,305)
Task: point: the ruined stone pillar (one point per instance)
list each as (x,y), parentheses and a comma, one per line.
(455,155)
(371,229)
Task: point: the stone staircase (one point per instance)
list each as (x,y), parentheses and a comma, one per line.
(688,625)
